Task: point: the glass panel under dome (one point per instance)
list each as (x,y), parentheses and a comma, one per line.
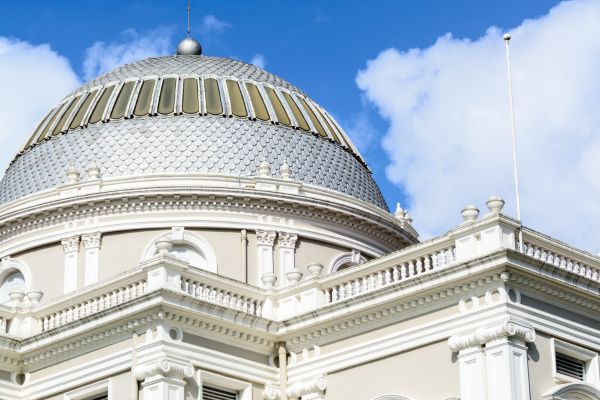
(280,113)
(101,105)
(260,110)
(65,116)
(238,108)
(166,103)
(82,110)
(190,96)
(213,97)
(54,117)
(36,132)
(144,100)
(296,111)
(122,102)
(313,118)
(331,130)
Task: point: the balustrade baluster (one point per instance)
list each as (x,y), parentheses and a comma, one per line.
(387,276)
(419,266)
(427,263)
(395,274)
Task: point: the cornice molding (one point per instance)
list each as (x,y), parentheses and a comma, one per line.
(511,329)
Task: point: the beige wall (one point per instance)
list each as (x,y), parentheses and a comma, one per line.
(46,265)
(539,356)
(427,372)
(122,251)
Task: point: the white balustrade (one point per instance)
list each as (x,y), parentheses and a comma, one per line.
(412,267)
(569,264)
(221,297)
(91,306)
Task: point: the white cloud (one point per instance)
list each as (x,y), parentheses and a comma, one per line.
(32,80)
(102,57)
(212,25)
(259,61)
(449,137)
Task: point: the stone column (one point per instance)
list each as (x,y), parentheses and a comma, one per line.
(493,361)
(91,244)
(264,250)
(287,252)
(163,379)
(71,249)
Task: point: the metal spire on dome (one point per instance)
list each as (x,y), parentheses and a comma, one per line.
(189,46)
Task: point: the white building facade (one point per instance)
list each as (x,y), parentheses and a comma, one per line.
(192,227)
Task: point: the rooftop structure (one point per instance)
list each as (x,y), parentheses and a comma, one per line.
(192,227)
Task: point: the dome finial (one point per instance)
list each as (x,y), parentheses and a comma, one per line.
(189,46)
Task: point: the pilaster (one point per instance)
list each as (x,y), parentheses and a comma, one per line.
(163,379)
(493,361)
(91,244)
(287,254)
(71,249)
(264,250)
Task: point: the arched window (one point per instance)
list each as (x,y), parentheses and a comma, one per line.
(14,280)
(188,247)
(345,261)
(392,397)
(574,391)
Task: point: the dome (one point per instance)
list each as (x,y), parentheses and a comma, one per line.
(189,114)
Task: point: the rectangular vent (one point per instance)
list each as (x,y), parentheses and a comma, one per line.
(570,366)
(213,393)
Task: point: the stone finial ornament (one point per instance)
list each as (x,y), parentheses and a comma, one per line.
(470,213)
(285,172)
(495,204)
(399,213)
(92,170)
(72,174)
(264,169)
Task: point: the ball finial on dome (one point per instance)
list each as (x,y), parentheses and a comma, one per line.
(189,47)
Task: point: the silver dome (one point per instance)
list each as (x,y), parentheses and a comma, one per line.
(126,143)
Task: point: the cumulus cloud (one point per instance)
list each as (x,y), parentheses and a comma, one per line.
(449,127)
(211,25)
(259,61)
(33,79)
(102,57)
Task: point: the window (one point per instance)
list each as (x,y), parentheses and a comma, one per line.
(572,363)
(218,387)
(214,393)
(14,280)
(570,366)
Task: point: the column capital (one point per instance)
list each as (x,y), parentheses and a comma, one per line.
(91,240)
(70,244)
(313,387)
(265,238)
(287,240)
(510,328)
(166,368)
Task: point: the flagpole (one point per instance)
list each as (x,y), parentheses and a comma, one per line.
(507,38)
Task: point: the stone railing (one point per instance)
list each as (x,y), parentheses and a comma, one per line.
(397,267)
(216,290)
(93,305)
(560,255)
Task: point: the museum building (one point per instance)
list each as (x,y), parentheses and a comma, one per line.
(192,227)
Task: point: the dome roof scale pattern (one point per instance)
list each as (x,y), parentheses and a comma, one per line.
(189,114)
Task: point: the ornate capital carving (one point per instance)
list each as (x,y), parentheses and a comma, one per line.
(286,239)
(265,238)
(91,240)
(70,244)
(509,328)
(164,367)
(315,385)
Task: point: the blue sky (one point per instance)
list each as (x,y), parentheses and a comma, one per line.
(321,46)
